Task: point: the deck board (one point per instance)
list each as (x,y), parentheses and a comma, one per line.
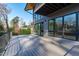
(37,46)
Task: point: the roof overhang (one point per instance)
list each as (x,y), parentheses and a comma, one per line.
(48,8)
(40,6)
(29,6)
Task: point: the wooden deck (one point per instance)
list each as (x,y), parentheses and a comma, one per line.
(33,45)
(24,46)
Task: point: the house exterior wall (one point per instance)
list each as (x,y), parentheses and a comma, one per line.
(65,11)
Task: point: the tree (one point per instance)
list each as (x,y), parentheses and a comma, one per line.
(24,24)
(15,24)
(15,20)
(1,26)
(4,11)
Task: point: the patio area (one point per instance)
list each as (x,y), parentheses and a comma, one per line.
(33,45)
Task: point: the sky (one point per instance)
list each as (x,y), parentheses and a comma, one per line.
(17,9)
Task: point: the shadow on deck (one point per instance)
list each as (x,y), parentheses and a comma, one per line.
(26,46)
(36,46)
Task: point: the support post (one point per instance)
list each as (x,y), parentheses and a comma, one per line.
(76,27)
(33,22)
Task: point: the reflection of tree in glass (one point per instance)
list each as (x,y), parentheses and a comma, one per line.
(70,23)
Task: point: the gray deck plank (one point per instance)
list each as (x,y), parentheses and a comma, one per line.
(37,46)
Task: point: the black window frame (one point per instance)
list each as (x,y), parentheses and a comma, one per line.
(62,25)
(75,25)
(53,28)
(77,22)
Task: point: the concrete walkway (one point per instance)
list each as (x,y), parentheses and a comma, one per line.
(34,45)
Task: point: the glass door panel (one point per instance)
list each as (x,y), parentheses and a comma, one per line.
(41,28)
(58,27)
(51,27)
(70,26)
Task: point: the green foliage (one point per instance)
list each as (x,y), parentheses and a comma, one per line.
(13,33)
(37,28)
(14,21)
(10,29)
(14,24)
(24,24)
(1,33)
(25,31)
(1,26)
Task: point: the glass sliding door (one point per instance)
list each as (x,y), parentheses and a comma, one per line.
(51,27)
(70,26)
(41,28)
(58,27)
(37,28)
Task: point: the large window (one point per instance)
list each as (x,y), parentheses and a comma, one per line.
(70,26)
(38,17)
(66,26)
(58,27)
(50,27)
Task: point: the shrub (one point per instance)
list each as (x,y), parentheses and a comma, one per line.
(13,33)
(1,33)
(25,31)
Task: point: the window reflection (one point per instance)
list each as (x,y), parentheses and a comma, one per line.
(41,29)
(37,28)
(70,26)
(58,26)
(50,27)
(38,17)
